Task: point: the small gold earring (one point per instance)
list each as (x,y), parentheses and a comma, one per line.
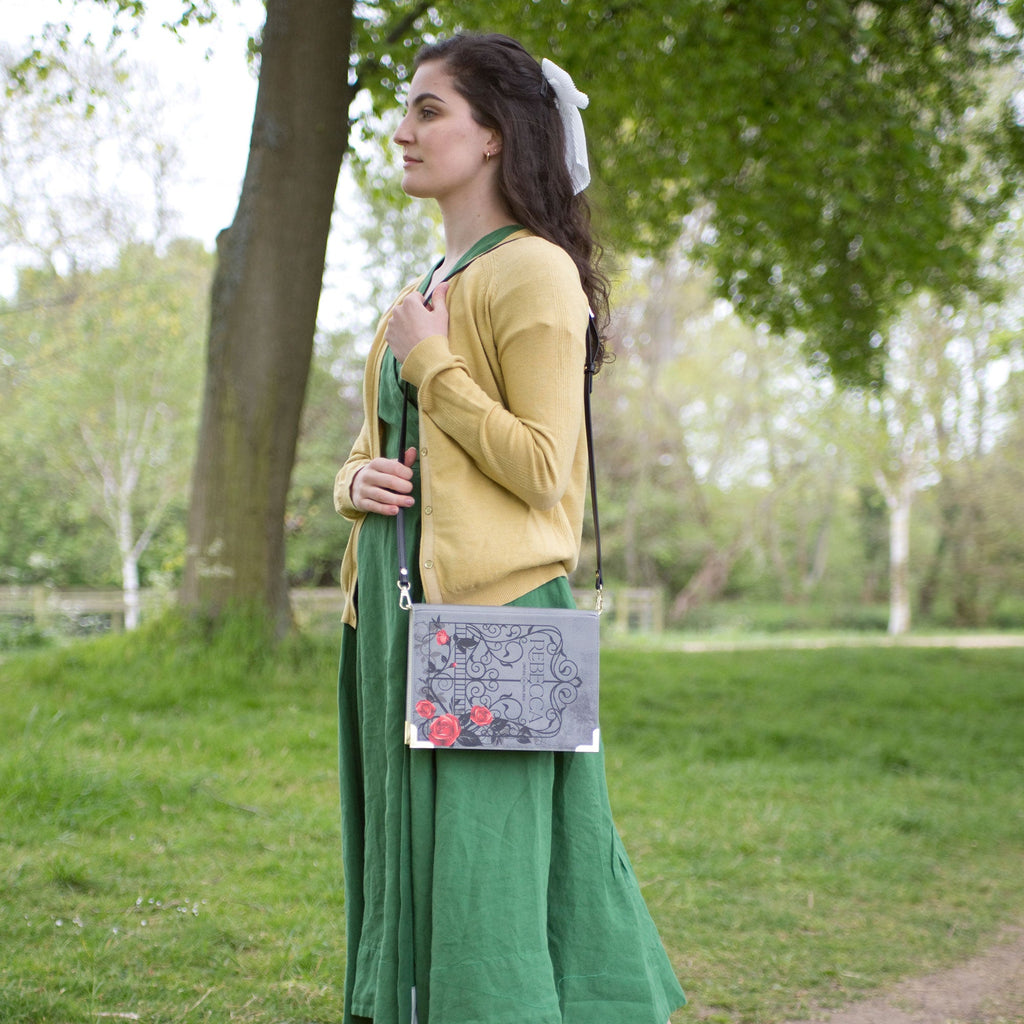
(487,157)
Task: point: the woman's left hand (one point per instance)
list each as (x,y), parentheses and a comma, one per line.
(412,320)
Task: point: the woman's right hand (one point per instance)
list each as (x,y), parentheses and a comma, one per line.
(382,485)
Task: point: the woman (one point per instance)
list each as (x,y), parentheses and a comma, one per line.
(482,887)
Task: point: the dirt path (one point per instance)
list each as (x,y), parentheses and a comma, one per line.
(988,989)
(781,641)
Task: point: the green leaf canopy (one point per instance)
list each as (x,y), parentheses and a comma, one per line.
(839,151)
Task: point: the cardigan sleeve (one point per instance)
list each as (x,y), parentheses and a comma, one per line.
(532,314)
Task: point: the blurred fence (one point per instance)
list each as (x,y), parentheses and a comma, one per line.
(86,611)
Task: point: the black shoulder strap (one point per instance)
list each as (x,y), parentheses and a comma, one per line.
(593,347)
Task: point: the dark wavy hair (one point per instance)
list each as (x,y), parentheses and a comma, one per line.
(506,91)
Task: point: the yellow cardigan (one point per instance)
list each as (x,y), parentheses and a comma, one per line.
(503,459)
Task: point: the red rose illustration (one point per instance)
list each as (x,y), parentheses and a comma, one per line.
(444,731)
(425,709)
(442,637)
(481,715)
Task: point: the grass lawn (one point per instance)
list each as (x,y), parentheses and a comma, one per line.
(807,825)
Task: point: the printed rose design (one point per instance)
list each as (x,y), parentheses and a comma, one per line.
(444,730)
(480,715)
(442,637)
(425,709)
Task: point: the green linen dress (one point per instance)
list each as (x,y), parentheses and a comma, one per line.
(481,887)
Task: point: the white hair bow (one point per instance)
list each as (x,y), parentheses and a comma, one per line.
(570,101)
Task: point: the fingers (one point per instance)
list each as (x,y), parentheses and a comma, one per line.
(404,327)
(413,319)
(384,485)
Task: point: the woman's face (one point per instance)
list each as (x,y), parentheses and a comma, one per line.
(443,146)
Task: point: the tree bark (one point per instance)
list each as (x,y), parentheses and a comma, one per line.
(899,563)
(899,496)
(265,295)
(709,582)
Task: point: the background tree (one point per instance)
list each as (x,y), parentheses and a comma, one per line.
(83,167)
(973,420)
(999,548)
(102,382)
(837,145)
(815,225)
(718,446)
(100,342)
(331,418)
(933,427)
(812,223)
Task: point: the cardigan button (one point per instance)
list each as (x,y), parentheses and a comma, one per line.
(428,511)
(423,453)
(428,564)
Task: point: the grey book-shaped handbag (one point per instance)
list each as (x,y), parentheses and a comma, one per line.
(506,677)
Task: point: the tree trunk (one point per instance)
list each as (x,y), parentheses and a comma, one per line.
(706,584)
(948,515)
(710,580)
(900,499)
(132,602)
(129,560)
(263,312)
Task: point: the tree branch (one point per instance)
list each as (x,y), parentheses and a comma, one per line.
(397,33)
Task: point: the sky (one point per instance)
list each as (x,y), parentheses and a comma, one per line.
(211,120)
(212,125)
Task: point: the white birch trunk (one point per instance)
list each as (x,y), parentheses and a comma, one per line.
(899,497)
(899,558)
(129,563)
(130,576)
